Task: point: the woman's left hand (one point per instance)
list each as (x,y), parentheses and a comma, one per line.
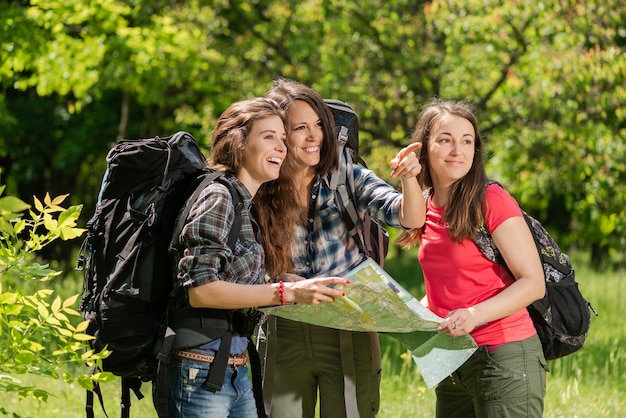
(406,163)
(459,322)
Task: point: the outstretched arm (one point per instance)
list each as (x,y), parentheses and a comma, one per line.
(226,295)
(407,166)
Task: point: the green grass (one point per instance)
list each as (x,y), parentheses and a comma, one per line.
(588,384)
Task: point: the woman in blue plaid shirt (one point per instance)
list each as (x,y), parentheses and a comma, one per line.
(342,366)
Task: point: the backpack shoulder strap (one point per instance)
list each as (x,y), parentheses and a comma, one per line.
(342,185)
(484,240)
(233,235)
(216,376)
(338,176)
(209,178)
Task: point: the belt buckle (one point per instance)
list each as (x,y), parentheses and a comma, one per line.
(239,360)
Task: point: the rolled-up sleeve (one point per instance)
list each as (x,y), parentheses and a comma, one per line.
(204,237)
(376,197)
(205,255)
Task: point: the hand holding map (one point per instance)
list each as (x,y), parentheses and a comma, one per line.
(375,302)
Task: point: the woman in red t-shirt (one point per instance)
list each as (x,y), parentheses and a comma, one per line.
(506,376)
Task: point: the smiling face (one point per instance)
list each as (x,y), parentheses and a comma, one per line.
(305,135)
(450,150)
(264,154)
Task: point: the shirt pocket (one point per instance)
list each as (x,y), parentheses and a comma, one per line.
(332,224)
(246,264)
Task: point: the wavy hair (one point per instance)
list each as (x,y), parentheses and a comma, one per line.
(229,144)
(230,135)
(285,92)
(463,214)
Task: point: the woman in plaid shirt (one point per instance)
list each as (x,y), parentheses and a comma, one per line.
(248,143)
(343,366)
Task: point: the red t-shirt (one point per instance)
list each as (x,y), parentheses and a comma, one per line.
(457,275)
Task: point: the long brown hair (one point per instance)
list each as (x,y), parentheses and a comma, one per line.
(275,219)
(463,214)
(285,92)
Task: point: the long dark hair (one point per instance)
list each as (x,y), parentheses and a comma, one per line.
(285,92)
(463,214)
(229,144)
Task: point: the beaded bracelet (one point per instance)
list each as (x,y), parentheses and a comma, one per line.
(281,292)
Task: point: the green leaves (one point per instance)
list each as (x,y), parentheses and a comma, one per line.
(38,334)
(547,77)
(11,205)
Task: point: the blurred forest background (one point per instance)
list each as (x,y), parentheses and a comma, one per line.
(547,76)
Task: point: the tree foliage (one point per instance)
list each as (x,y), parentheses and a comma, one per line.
(553,104)
(547,79)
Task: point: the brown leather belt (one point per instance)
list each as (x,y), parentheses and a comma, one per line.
(204,358)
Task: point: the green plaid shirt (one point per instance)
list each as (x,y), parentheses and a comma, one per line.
(204,253)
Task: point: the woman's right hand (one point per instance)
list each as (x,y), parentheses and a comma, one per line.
(225,295)
(314,291)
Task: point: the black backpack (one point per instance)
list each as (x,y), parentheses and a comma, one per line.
(562,317)
(128,273)
(371,237)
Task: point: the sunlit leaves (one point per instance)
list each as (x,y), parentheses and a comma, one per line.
(548,77)
(37,330)
(10,205)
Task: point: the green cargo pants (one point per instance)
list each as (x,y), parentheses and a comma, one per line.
(506,382)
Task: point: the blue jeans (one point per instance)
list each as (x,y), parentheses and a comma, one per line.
(188,399)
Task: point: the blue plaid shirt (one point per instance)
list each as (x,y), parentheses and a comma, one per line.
(329,250)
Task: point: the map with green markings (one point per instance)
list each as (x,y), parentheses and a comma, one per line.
(374,301)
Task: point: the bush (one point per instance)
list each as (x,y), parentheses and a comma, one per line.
(37,336)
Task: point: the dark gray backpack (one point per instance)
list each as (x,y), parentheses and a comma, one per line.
(371,237)
(562,317)
(128,272)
